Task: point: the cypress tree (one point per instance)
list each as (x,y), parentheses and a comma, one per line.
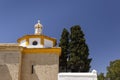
(79,52)
(64,42)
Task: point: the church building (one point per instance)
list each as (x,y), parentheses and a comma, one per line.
(34,57)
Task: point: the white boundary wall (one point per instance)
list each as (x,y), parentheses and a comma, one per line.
(78,76)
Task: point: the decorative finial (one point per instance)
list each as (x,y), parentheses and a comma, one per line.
(38,28)
(38,21)
(94,71)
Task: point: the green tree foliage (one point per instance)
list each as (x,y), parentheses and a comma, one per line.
(64,44)
(75,52)
(101,76)
(79,52)
(113,71)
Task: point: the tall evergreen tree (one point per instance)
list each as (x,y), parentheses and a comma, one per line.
(64,42)
(79,52)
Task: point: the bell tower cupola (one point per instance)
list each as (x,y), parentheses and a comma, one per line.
(37,40)
(38,28)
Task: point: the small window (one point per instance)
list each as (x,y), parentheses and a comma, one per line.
(32,69)
(34,43)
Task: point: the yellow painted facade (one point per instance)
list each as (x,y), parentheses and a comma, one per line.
(42,50)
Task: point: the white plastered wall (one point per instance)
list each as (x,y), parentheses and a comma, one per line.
(78,76)
(39,45)
(48,43)
(23,43)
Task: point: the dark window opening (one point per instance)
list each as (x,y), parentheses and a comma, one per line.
(34,43)
(32,70)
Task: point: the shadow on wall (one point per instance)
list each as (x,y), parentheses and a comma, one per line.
(4,73)
(35,77)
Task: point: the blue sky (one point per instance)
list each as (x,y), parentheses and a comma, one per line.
(99,20)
